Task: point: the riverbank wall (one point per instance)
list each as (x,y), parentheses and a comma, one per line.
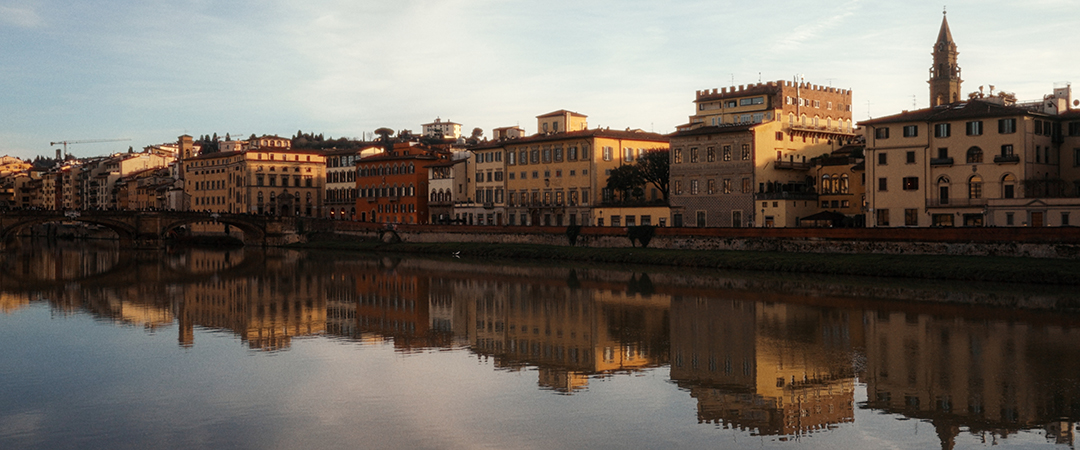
(1063,243)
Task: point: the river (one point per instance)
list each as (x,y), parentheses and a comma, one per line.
(280,349)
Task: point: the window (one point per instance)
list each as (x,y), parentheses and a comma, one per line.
(1006,150)
(1065,219)
(727,185)
(1006,126)
(882,159)
(607,154)
(745,185)
(628,154)
(727,153)
(1008,186)
(911,130)
(710,154)
(711,189)
(571,154)
(547,155)
(910,157)
(883,184)
(882,217)
(911,183)
(693,187)
(975,187)
(678,188)
(881,133)
(534,156)
(975,128)
(911,217)
(942,130)
(677,157)
(558,154)
(693,154)
(974,155)
(1074,128)
(751,101)
(746,152)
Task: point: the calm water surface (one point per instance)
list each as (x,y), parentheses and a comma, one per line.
(104,348)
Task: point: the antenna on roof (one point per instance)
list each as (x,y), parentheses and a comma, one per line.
(914,105)
(868,110)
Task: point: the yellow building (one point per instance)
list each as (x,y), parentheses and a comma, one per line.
(557,177)
(266,177)
(745,157)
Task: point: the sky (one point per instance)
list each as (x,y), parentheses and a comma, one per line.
(151,70)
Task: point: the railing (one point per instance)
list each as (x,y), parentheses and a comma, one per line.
(954,202)
(1007,159)
(941,161)
(786,196)
(791,165)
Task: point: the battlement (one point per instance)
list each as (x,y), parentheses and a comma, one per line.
(767,87)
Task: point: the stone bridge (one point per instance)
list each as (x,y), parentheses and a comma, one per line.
(149,228)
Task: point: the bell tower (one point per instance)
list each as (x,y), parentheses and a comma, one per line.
(945,73)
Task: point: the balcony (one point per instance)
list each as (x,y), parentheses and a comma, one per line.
(955,202)
(1007,159)
(941,161)
(489,205)
(792,165)
(786,196)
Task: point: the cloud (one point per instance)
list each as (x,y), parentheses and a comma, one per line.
(20,17)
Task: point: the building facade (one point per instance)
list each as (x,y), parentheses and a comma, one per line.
(987,161)
(392,186)
(556,177)
(263,179)
(744,159)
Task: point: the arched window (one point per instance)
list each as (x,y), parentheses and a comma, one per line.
(843,184)
(828,122)
(434,196)
(943,190)
(826,184)
(1008,186)
(804,120)
(259,196)
(974,155)
(975,186)
(791,119)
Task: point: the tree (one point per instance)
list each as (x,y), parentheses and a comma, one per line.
(655,167)
(625,180)
(651,168)
(384,134)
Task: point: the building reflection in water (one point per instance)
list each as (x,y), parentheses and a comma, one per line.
(992,377)
(781,364)
(266,307)
(771,368)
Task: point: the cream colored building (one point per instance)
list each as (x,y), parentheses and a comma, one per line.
(987,161)
(445,129)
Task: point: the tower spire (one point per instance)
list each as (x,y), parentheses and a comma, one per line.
(945,73)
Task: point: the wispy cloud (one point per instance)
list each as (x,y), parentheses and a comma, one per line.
(22,17)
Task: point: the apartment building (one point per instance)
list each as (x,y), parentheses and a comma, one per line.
(745,157)
(392,186)
(987,161)
(267,177)
(556,177)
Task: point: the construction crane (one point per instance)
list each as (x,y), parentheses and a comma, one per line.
(83,141)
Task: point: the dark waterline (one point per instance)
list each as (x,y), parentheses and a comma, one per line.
(286,349)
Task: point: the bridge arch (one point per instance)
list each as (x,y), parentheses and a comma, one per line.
(13,225)
(254,233)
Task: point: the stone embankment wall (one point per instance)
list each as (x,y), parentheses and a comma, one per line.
(1026,242)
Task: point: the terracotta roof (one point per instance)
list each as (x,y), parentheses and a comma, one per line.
(596,132)
(561,112)
(713,129)
(971,109)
